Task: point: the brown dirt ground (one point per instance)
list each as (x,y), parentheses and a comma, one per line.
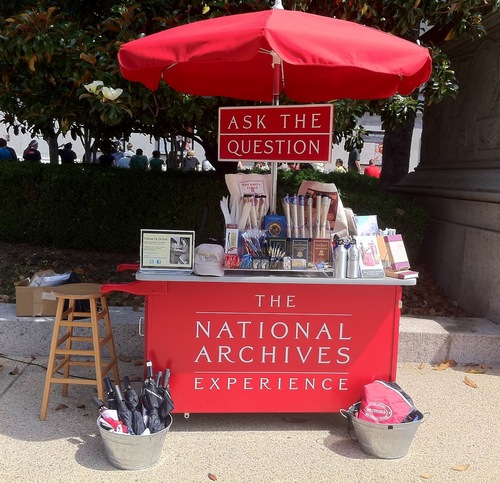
(20,260)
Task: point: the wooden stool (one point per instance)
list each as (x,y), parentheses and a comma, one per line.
(63,344)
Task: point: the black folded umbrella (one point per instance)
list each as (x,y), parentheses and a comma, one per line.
(150,397)
(133,403)
(151,400)
(124,413)
(167,405)
(110,393)
(155,424)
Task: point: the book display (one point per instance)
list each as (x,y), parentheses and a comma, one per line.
(312,234)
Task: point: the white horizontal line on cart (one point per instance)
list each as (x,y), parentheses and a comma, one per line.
(270,372)
(273,313)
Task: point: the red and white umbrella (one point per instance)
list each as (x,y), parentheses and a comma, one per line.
(320,58)
(257,56)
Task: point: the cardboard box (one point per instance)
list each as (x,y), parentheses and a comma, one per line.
(35,301)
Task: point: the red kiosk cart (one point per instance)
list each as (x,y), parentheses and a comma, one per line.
(273,343)
(269,343)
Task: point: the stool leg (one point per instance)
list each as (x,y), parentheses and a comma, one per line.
(51,361)
(111,343)
(94,315)
(69,345)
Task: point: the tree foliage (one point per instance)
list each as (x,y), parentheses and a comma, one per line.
(50,51)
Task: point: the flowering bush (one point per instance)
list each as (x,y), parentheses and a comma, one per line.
(105,101)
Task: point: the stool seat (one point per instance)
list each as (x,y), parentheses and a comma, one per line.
(77,342)
(78,291)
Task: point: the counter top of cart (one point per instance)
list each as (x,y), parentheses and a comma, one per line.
(284,276)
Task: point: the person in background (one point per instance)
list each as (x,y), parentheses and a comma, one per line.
(180,145)
(130,150)
(31,153)
(353,163)
(12,150)
(106,158)
(191,162)
(206,165)
(67,155)
(339,166)
(138,161)
(6,153)
(117,153)
(372,169)
(155,162)
(124,161)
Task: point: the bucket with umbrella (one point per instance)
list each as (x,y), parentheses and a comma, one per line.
(134,432)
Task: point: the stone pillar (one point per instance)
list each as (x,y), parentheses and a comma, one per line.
(458,178)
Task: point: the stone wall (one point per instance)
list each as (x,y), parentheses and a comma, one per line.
(458,178)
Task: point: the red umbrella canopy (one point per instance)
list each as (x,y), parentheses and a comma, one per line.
(321,58)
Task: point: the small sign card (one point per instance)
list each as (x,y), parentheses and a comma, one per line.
(366,225)
(397,252)
(370,263)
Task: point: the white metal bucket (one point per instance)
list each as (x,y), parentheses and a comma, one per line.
(388,441)
(133,452)
(385,440)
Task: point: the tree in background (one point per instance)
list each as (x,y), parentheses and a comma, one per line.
(48,53)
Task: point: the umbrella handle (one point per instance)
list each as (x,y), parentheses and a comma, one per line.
(149,370)
(118,393)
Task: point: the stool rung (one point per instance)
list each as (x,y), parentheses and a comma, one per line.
(104,340)
(84,363)
(105,365)
(87,315)
(76,352)
(75,323)
(63,338)
(84,338)
(78,338)
(72,380)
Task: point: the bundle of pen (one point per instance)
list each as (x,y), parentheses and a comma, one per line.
(276,255)
(255,250)
(307,216)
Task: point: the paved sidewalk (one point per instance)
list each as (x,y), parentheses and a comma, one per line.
(462,429)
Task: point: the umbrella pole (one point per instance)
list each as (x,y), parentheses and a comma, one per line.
(277,83)
(274,181)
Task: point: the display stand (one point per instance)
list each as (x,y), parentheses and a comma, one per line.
(269,343)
